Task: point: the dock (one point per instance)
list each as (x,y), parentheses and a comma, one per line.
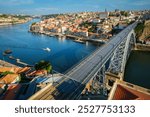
(22,63)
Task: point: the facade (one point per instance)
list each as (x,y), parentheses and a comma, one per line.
(103,15)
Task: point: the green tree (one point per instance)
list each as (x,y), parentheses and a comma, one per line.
(43,65)
(33,23)
(5,73)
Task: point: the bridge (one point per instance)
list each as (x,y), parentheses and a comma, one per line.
(111,57)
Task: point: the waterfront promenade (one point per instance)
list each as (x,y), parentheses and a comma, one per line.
(73,37)
(6,64)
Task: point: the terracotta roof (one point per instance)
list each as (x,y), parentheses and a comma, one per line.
(38,72)
(4,69)
(125,93)
(25,69)
(9,78)
(14,69)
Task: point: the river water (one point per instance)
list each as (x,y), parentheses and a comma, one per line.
(28,47)
(138,69)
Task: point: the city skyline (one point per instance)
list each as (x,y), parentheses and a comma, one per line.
(38,7)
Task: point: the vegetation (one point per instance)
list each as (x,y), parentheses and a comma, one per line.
(51,16)
(92,26)
(33,23)
(23,78)
(111,14)
(124,13)
(139,29)
(14,16)
(3,16)
(5,73)
(43,65)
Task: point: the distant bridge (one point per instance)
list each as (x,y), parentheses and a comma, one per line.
(114,53)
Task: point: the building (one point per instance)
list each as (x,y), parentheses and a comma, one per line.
(104,15)
(63,29)
(37,73)
(12,92)
(10,78)
(16,70)
(126,91)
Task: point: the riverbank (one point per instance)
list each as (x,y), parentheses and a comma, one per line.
(13,23)
(77,39)
(51,34)
(142,47)
(6,64)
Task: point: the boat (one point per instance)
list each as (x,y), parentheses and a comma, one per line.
(8,51)
(11,57)
(47,49)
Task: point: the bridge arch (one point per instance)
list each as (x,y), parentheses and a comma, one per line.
(121,55)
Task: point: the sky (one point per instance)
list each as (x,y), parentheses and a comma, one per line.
(41,7)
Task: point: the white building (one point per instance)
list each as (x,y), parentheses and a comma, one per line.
(63,29)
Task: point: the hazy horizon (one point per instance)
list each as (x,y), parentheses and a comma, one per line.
(38,7)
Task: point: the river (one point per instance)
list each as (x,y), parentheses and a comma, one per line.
(28,47)
(138,68)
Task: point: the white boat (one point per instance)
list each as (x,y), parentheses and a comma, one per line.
(47,49)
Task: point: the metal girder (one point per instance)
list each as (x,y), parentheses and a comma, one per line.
(99,80)
(121,54)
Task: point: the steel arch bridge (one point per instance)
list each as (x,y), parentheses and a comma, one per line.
(115,54)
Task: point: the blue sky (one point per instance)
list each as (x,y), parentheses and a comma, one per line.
(39,7)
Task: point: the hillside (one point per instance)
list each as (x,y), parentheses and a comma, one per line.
(143,31)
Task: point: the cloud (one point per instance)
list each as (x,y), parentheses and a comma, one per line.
(16,2)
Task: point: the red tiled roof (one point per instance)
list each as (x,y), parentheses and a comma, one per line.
(9,78)
(25,69)
(125,93)
(14,69)
(38,72)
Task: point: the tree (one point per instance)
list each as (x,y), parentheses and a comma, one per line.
(124,13)
(5,73)
(33,23)
(43,65)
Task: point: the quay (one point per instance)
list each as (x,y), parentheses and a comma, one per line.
(142,47)
(75,38)
(6,64)
(22,63)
